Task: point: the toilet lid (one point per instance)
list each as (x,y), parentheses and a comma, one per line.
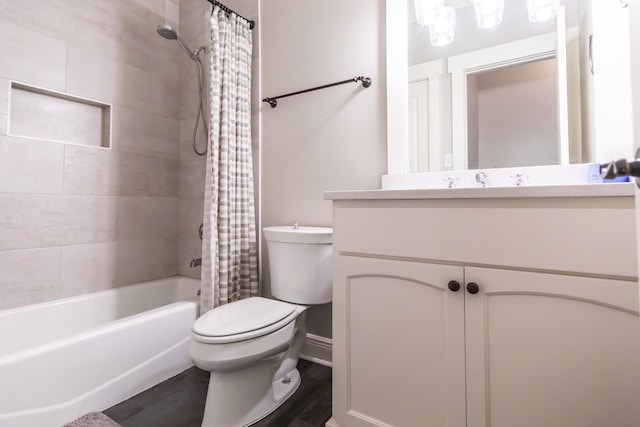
(258,315)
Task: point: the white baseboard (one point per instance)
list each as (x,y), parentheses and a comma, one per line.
(317,349)
(332,423)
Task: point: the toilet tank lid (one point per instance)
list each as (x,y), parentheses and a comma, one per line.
(243,316)
(307,235)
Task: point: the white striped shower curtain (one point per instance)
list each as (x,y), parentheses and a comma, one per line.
(229,250)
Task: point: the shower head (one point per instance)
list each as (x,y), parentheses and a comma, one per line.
(169,33)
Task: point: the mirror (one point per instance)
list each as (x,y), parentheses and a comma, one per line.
(447,108)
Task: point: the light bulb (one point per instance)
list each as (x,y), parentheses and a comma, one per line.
(542,10)
(488,12)
(426,10)
(443,29)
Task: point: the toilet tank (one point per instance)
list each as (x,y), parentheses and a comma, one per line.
(300,263)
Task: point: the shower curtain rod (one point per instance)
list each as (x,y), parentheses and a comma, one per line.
(366,82)
(227,10)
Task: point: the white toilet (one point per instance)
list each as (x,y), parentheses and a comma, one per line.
(251,346)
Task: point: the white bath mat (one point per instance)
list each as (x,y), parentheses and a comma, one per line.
(93,419)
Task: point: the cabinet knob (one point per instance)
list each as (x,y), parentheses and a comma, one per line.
(454,286)
(473,288)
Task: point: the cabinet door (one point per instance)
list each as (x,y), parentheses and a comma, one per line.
(398,344)
(551,350)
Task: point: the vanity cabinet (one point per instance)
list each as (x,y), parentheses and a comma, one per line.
(398,344)
(548,336)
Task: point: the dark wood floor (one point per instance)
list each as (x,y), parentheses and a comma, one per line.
(179,402)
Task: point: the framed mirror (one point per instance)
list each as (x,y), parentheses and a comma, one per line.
(444,109)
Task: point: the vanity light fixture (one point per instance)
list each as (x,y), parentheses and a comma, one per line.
(542,10)
(444,27)
(426,10)
(488,12)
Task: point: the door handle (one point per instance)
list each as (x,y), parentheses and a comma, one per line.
(454,286)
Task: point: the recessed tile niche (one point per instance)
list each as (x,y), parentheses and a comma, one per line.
(53,116)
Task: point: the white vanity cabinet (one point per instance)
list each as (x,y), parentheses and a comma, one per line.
(551,350)
(551,337)
(398,344)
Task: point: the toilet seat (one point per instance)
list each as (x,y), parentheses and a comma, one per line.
(243,320)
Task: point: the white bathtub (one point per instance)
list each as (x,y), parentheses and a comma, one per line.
(62,359)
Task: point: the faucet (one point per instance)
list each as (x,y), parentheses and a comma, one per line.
(451,180)
(195,262)
(520,179)
(481,178)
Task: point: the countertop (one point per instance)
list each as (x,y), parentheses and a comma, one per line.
(625,189)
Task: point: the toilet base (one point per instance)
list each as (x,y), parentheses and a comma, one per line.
(242,397)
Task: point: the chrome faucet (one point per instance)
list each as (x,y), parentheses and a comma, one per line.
(520,179)
(451,181)
(481,178)
(195,262)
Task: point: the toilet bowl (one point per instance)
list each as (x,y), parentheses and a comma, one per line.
(251,346)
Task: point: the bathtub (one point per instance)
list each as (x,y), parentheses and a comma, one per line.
(62,359)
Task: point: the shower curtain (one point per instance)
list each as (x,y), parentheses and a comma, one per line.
(229,250)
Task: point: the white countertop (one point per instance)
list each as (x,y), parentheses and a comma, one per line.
(625,189)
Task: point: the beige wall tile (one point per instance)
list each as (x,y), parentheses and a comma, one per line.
(94,76)
(107,80)
(91,171)
(141,260)
(94,267)
(29,166)
(147,217)
(96,25)
(108,172)
(147,175)
(32,221)
(29,276)
(156,7)
(148,133)
(190,245)
(192,18)
(30,57)
(172,13)
(142,46)
(88,268)
(192,178)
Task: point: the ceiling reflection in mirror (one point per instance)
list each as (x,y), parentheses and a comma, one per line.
(518,94)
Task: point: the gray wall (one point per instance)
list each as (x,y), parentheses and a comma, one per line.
(334,139)
(76,219)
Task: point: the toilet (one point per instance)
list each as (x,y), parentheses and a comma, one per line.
(251,346)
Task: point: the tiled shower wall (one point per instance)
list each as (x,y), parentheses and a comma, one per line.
(75,219)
